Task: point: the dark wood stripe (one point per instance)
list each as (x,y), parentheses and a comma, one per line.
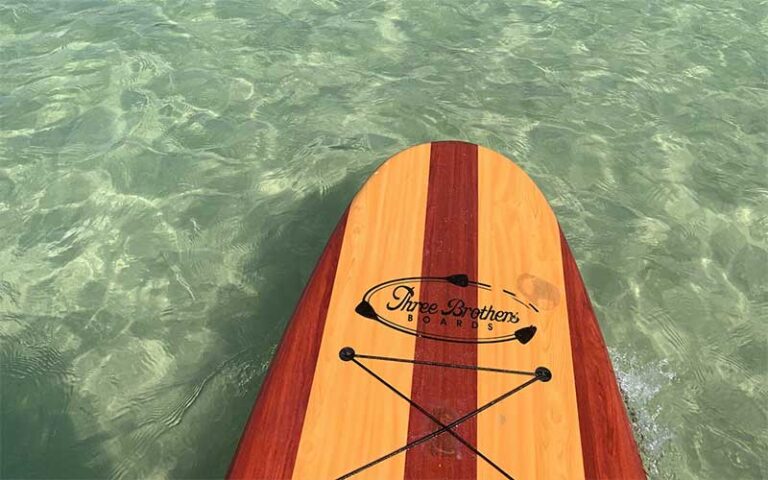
(450,247)
(269,444)
(607,442)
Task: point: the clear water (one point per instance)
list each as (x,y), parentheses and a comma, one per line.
(170,170)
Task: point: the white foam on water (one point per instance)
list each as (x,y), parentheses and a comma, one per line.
(640,385)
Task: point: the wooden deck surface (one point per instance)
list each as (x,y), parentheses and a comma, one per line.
(452,250)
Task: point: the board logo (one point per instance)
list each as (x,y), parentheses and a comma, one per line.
(447,309)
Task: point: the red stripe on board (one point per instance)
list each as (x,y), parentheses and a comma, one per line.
(607,443)
(269,444)
(450,247)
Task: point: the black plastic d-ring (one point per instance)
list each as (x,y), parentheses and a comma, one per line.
(347,353)
(543,374)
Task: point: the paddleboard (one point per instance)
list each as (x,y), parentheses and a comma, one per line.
(445,333)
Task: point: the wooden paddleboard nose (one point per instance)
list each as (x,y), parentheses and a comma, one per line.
(445,333)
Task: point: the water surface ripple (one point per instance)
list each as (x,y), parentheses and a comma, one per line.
(170,170)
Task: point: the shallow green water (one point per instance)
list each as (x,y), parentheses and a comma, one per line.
(169,172)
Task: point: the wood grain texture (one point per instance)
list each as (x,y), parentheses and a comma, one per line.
(610,451)
(269,443)
(450,247)
(436,210)
(519,249)
(351,418)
